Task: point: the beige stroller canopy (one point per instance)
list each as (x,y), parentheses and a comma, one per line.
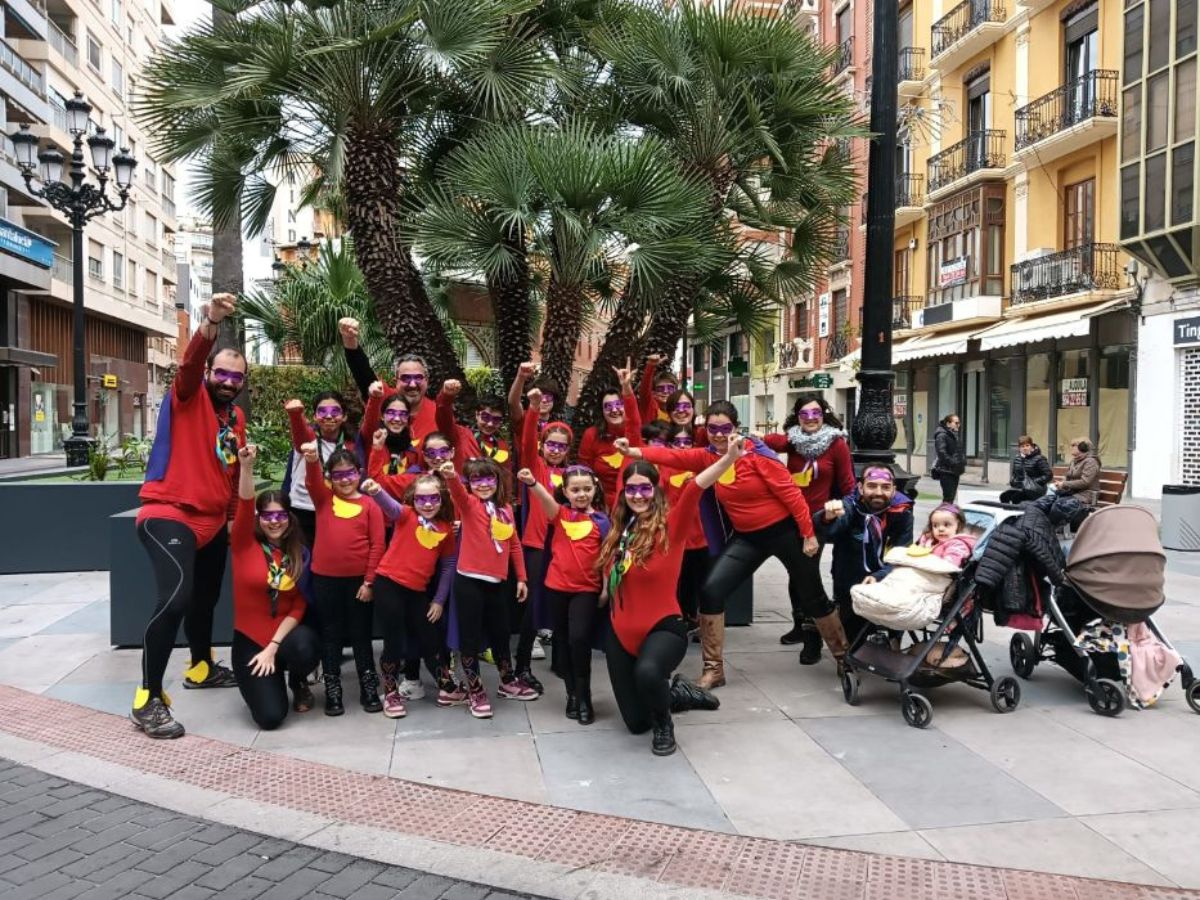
(1117,563)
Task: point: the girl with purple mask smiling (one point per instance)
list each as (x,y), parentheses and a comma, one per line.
(618,418)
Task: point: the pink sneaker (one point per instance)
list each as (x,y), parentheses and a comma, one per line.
(480,705)
(517,690)
(393,705)
(456,697)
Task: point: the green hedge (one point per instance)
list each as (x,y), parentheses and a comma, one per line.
(273,386)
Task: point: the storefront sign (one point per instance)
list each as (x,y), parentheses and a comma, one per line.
(1187,331)
(25,244)
(109,381)
(820,381)
(823,316)
(1074,392)
(899,405)
(952,272)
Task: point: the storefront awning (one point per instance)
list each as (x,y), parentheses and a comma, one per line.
(1012,332)
(931,345)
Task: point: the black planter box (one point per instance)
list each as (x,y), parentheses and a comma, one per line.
(58,527)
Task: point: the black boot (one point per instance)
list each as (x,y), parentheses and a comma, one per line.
(685,696)
(663,741)
(368,692)
(587,715)
(795,636)
(572,706)
(333,696)
(810,653)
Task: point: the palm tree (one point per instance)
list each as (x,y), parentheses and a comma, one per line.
(742,100)
(353,88)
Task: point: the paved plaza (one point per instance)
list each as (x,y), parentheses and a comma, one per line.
(1052,787)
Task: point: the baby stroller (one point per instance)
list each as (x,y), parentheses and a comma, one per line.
(933,656)
(1114,574)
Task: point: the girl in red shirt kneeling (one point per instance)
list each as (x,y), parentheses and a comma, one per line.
(269,572)
(639,562)
(572,582)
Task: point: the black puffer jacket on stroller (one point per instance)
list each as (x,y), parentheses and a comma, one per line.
(1000,576)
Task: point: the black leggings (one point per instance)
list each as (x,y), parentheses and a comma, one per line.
(747,551)
(641,684)
(535,562)
(188,584)
(307,520)
(403,614)
(692,574)
(266,695)
(482,609)
(574,623)
(949,485)
(343,618)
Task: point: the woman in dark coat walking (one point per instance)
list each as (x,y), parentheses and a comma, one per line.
(1029,475)
(949,461)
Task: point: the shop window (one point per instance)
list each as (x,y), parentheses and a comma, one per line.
(1072,391)
(901,410)
(1113,439)
(920,409)
(1001,436)
(966,245)
(947,391)
(1037,400)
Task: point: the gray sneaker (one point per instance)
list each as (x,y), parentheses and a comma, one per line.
(156,720)
(209,674)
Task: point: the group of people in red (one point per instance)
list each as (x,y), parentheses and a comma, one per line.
(444,532)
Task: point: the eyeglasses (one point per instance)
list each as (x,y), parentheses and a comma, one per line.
(343,476)
(645,491)
(483,481)
(489,419)
(656,442)
(682,441)
(555,446)
(411,379)
(438,453)
(395,415)
(273,517)
(427,499)
(665,390)
(548,398)
(683,406)
(329,412)
(720,429)
(614,406)
(234,379)
(811,415)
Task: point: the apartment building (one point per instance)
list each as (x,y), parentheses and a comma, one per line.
(52,50)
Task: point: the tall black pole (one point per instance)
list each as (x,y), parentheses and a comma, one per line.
(76,446)
(874,428)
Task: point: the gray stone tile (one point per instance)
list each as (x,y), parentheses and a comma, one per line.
(612,772)
(504,765)
(1164,841)
(35,663)
(90,619)
(110,697)
(927,778)
(30,618)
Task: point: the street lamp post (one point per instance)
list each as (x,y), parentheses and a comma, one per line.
(80,202)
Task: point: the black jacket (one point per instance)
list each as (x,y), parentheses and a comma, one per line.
(1018,544)
(1035,465)
(854,555)
(949,458)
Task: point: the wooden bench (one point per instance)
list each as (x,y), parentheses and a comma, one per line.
(1111,488)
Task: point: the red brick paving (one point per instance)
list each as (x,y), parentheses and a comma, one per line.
(674,856)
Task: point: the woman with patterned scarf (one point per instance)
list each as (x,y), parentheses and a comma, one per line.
(819,459)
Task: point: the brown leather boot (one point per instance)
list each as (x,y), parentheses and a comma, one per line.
(834,635)
(712,645)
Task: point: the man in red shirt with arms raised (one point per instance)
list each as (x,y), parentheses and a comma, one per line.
(412,381)
(187,501)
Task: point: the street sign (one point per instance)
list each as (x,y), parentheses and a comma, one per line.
(820,381)
(109,381)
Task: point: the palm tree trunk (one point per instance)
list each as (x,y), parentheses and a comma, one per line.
(623,341)
(373,189)
(560,334)
(510,307)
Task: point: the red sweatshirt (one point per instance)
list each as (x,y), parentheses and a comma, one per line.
(251,596)
(647,402)
(549,477)
(755,491)
(186,480)
(598,452)
(412,558)
(380,466)
(646,594)
(574,550)
(479,533)
(817,479)
(466,443)
(351,540)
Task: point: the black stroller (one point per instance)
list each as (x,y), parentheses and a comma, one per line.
(1115,573)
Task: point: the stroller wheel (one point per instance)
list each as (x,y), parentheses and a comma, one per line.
(918,711)
(1106,697)
(1193,696)
(1022,655)
(850,685)
(1006,693)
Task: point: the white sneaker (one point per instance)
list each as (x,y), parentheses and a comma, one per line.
(538,652)
(411,689)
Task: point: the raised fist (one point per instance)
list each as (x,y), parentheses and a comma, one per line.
(451,387)
(376,389)
(370,487)
(220,306)
(834,509)
(535,398)
(379,438)
(294,405)
(526,477)
(348,327)
(622,445)
(525,370)
(309,449)
(248,453)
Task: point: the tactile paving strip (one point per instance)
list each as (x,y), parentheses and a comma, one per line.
(683,857)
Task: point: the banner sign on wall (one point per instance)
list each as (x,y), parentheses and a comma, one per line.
(1187,331)
(1074,392)
(823,316)
(952,272)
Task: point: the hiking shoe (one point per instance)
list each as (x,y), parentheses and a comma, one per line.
(393,705)
(456,697)
(411,689)
(156,720)
(538,651)
(206,674)
(480,705)
(517,690)
(530,679)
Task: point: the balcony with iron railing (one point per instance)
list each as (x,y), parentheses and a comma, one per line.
(793,355)
(904,311)
(978,151)
(836,346)
(912,70)
(1051,123)
(910,199)
(21,69)
(845,56)
(967,29)
(62,43)
(1080,270)
(62,269)
(841,246)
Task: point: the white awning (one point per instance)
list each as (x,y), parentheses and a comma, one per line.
(931,345)
(1010,333)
